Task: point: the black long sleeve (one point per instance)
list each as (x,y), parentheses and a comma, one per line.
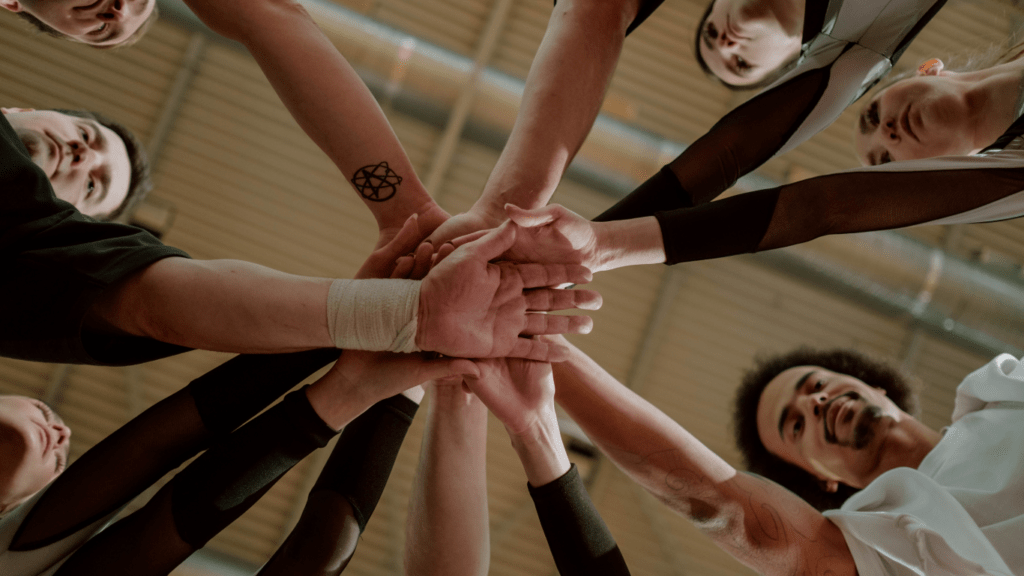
(579,539)
(206,496)
(160,439)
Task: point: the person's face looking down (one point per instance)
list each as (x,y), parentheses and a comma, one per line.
(86,162)
(831,425)
(34,446)
(94,22)
(924,116)
(743,41)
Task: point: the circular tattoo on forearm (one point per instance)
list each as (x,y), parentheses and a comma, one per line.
(376,182)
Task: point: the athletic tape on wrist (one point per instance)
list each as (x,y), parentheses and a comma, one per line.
(374,315)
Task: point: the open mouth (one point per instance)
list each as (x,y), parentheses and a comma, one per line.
(833,413)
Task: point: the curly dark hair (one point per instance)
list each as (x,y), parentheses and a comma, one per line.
(45,28)
(140,183)
(898,386)
(762,83)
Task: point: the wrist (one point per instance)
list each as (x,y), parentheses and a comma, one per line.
(541,451)
(628,243)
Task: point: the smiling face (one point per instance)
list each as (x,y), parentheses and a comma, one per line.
(833,426)
(34,446)
(744,41)
(87,163)
(95,22)
(920,117)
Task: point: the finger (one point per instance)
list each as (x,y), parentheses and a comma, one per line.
(540,350)
(493,243)
(557,324)
(403,267)
(442,253)
(543,299)
(541,275)
(446,368)
(466,239)
(532,218)
(407,238)
(422,259)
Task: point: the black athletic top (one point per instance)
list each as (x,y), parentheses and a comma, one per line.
(55,261)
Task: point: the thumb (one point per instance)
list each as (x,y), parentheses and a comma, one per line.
(532,218)
(448,367)
(494,243)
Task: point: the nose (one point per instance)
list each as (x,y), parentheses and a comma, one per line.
(725,40)
(817,400)
(81,155)
(61,434)
(115,11)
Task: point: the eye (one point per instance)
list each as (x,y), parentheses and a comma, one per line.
(871,114)
(818,386)
(90,187)
(798,426)
(85,135)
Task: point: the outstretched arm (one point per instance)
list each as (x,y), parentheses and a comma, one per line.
(757,521)
(563,94)
(447,530)
(329,101)
(521,394)
(465,307)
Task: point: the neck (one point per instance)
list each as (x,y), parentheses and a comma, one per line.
(907,443)
(994,94)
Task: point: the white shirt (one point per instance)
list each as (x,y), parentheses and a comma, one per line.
(962,510)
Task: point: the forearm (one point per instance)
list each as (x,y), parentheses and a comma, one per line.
(564,89)
(628,243)
(447,531)
(223,305)
(645,443)
(327,98)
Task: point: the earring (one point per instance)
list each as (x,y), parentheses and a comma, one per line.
(930,65)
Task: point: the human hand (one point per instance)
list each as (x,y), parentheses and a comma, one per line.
(462,224)
(472,308)
(382,262)
(520,393)
(360,379)
(553,234)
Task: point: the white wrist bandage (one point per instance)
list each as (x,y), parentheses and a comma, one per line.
(374,315)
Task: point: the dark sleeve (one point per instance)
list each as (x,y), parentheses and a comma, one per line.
(345,493)
(160,439)
(739,143)
(56,261)
(878,198)
(206,496)
(579,539)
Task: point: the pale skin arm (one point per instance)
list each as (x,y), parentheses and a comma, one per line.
(447,529)
(758,522)
(562,97)
(325,96)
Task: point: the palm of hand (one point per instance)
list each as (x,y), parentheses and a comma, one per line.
(478,308)
(517,391)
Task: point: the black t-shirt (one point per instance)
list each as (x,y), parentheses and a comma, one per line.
(54,262)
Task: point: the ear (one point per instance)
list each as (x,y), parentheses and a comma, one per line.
(931,67)
(12,5)
(15,110)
